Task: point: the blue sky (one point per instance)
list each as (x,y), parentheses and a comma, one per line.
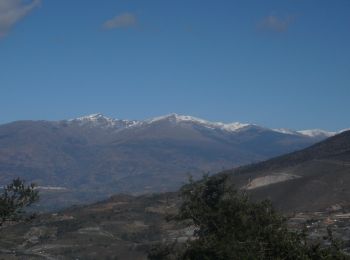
(273,63)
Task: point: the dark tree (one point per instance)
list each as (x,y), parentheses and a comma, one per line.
(230,226)
(14,198)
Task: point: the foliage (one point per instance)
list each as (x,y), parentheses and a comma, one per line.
(230,226)
(14,198)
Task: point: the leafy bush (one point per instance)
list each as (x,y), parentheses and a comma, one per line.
(230,226)
(14,198)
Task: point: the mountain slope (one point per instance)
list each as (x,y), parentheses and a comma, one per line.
(92,157)
(312,179)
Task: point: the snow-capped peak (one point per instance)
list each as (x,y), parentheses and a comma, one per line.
(92,117)
(177,118)
(99,120)
(95,119)
(285,131)
(317,133)
(309,133)
(231,127)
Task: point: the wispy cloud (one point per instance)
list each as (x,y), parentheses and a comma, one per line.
(276,24)
(125,20)
(12,11)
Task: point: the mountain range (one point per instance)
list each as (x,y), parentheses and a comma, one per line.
(311,185)
(92,157)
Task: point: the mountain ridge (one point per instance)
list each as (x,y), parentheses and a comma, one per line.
(99,119)
(93,157)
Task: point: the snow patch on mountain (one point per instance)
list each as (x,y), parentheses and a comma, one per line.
(95,119)
(309,133)
(231,127)
(285,131)
(99,120)
(317,133)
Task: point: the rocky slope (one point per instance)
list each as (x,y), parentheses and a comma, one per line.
(315,178)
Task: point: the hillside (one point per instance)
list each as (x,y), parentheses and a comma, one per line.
(126,227)
(122,227)
(308,180)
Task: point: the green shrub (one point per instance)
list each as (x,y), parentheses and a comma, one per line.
(230,226)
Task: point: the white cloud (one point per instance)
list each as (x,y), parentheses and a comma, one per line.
(124,20)
(12,11)
(274,23)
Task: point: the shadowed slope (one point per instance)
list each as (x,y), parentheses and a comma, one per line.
(315,178)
